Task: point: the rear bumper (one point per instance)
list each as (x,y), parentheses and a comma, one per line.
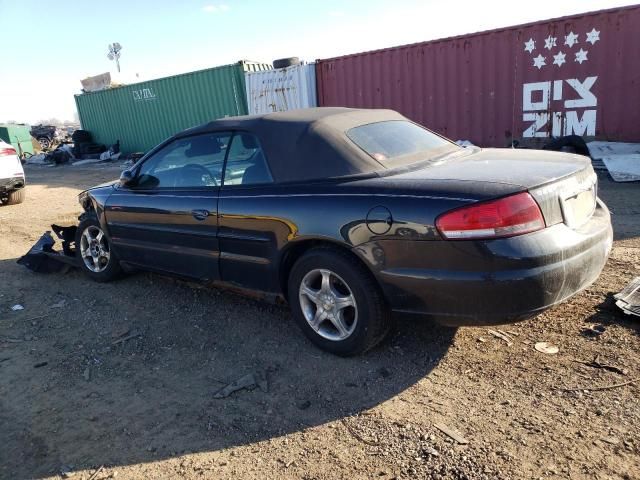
(492,282)
(11,184)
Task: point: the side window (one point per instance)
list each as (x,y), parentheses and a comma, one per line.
(189,162)
(246,163)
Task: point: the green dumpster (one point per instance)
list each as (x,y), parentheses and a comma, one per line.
(18,136)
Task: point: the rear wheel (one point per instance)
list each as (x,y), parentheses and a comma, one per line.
(16,196)
(93,248)
(337,303)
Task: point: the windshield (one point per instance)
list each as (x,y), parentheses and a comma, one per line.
(399,142)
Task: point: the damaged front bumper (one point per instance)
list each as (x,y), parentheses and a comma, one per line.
(42,258)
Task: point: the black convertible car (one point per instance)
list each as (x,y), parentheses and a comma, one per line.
(352,216)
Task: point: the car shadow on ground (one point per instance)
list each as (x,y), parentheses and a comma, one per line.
(126,372)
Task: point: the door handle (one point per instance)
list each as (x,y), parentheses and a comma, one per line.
(200,214)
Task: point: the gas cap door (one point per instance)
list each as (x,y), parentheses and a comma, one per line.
(379,220)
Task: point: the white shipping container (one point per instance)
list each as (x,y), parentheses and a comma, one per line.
(281,89)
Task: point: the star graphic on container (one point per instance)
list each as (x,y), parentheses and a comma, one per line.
(530,45)
(571,39)
(539,62)
(559,59)
(593,36)
(581,56)
(550,42)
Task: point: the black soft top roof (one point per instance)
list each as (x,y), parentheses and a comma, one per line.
(309,143)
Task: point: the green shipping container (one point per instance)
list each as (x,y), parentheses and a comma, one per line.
(144,114)
(19,136)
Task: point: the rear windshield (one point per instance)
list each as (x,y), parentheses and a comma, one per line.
(398,142)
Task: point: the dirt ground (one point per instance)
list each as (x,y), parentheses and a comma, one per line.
(121,377)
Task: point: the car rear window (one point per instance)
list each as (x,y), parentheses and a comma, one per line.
(393,141)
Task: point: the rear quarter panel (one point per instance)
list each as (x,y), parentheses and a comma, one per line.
(258,225)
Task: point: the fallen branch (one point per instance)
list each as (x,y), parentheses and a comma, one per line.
(96,473)
(124,339)
(450,432)
(501,336)
(596,364)
(597,389)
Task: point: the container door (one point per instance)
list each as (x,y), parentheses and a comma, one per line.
(166,219)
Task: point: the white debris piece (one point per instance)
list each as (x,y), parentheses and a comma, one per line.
(67,148)
(88,161)
(17,307)
(621,159)
(109,155)
(623,168)
(598,150)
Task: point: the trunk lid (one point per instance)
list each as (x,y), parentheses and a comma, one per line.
(563,184)
(525,168)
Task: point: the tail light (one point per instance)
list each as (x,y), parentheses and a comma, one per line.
(505,217)
(7,151)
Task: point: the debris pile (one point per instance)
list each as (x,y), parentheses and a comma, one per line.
(622,160)
(82,152)
(62,154)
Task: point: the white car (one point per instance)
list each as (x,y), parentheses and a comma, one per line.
(11,176)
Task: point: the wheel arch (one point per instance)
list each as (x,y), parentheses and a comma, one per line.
(93,204)
(297,249)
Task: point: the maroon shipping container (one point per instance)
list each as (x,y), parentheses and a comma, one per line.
(572,75)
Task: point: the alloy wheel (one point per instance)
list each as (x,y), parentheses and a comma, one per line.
(94,249)
(328,304)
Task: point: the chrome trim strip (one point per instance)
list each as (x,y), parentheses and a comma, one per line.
(236,257)
(284,195)
(180,231)
(241,236)
(389,195)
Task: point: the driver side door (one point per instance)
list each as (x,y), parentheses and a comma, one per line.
(166,219)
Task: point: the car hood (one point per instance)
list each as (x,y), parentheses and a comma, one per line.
(521,168)
(110,183)
(102,186)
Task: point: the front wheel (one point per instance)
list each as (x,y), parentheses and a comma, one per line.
(93,248)
(337,303)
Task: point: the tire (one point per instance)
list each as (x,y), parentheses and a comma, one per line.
(81,136)
(105,269)
(363,326)
(286,62)
(15,197)
(572,143)
(44,142)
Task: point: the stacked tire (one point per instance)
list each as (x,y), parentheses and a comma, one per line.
(83,143)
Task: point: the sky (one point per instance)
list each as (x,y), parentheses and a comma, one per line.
(47,47)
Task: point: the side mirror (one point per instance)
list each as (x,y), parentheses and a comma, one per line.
(126,177)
